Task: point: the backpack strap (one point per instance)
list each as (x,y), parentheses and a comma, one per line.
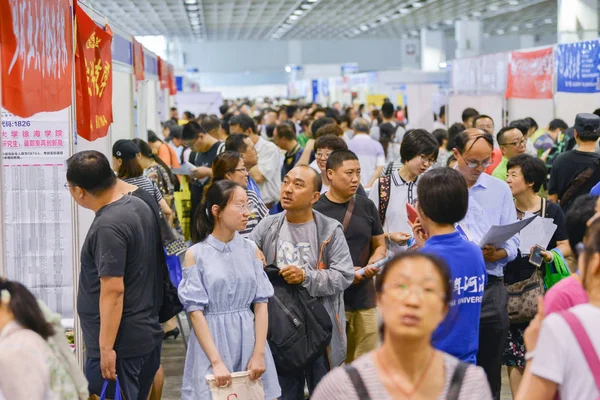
(576,184)
(388,169)
(457,380)
(587,348)
(384,196)
(357,382)
(349,212)
(544,203)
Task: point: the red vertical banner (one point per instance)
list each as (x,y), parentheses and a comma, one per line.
(138,60)
(530,74)
(163,74)
(172,82)
(93,75)
(37,52)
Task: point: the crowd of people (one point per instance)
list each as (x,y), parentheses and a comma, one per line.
(336,251)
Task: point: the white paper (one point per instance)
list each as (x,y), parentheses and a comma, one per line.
(499,234)
(537,233)
(38,233)
(185,169)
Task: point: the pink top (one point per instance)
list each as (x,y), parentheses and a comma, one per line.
(565,294)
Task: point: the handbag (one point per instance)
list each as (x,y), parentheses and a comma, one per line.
(523,297)
(556,270)
(241,388)
(118,393)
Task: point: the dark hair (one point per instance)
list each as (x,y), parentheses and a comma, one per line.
(592,243)
(224,163)
(91,171)
(175,132)
(387,110)
(130,168)
(453,131)
(377,116)
(305,123)
(337,158)
(244,121)
(192,130)
(583,208)
(318,110)
(464,137)
(344,118)
(532,123)
(329,129)
(597,112)
(502,132)
(236,143)
(450,160)
(211,123)
(533,169)
(469,113)
(284,131)
(291,124)
(291,110)
(417,142)
(189,115)
(440,135)
(321,122)
(558,124)
(147,152)
(219,193)
(482,116)
(439,264)
(270,130)
(442,111)
(173,108)
(223,109)
(443,195)
(520,124)
(330,142)
(26,309)
(152,138)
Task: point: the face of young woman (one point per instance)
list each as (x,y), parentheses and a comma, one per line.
(235,215)
(412,300)
(239,175)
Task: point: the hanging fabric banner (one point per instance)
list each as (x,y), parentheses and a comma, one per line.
(530,74)
(172,82)
(578,67)
(138,60)
(37,50)
(163,73)
(93,73)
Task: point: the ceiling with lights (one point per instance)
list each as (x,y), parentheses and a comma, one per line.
(322,19)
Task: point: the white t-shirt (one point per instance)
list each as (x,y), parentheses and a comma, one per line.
(558,357)
(269,164)
(370,155)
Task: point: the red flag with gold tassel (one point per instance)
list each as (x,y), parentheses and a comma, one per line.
(93,77)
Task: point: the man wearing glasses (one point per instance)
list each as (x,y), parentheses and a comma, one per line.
(512,143)
(490,203)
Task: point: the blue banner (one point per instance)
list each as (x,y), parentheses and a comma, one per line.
(150,64)
(122,50)
(578,67)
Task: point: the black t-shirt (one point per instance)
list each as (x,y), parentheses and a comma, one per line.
(520,269)
(567,166)
(363,225)
(119,244)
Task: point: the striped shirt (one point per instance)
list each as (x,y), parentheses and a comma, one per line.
(258,211)
(146,184)
(337,384)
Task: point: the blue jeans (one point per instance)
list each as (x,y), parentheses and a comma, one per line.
(292,385)
(136,375)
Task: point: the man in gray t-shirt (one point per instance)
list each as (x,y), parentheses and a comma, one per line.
(297,245)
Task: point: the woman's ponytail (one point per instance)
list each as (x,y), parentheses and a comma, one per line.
(204,224)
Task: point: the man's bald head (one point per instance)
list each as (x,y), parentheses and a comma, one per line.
(316,177)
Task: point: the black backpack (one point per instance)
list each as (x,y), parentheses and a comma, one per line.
(299,326)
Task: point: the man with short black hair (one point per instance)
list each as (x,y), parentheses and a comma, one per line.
(120,280)
(310,250)
(319,113)
(324,146)
(512,143)
(369,152)
(548,140)
(285,138)
(576,172)
(468,116)
(213,127)
(364,235)
(174,115)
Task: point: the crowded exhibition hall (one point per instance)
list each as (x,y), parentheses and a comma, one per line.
(300,199)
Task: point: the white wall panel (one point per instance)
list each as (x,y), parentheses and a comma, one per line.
(491,105)
(568,105)
(540,110)
(122,127)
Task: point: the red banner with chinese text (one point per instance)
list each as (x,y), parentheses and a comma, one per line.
(163,74)
(138,61)
(530,74)
(37,52)
(93,75)
(172,82)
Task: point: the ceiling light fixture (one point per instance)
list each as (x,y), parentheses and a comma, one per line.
(404,10)
(192,7)
(529,25)
(493,7)
(298,12)
(364,28)
(548,21)
(417,5)
(306,6)
(476,13)
(513,2)
(293,17)
(190,1)
(514,28)
(500,31)
(449,22)
(312,1)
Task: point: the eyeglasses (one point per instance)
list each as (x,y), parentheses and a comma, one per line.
(324,155)
(401,291)
(517,143)
(189,143)
(427,160)
(474,164)
(242,207)
(242,170)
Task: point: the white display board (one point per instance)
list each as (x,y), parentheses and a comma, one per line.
(541,110)
(152,120)
(568,105)
(122,100)
(419,99)
(491,105)
(199,102)
(251,92)
(37,208)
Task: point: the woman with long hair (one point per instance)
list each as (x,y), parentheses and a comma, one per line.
(225,290)
(29,367)
(163,150)
(413,295)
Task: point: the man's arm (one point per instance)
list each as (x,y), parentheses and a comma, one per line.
(268,164)
(380,249)
(202,172)
(375,176)
(257,175)
(112,289)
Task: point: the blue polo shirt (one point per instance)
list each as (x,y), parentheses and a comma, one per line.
(458,333)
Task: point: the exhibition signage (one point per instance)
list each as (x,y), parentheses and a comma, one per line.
(578,67)
(37,50)
(138,60)
(530,74)
(93,74)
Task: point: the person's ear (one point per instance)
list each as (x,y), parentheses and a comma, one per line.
(455,152)
(329,173)
(316,196)
(215,211)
